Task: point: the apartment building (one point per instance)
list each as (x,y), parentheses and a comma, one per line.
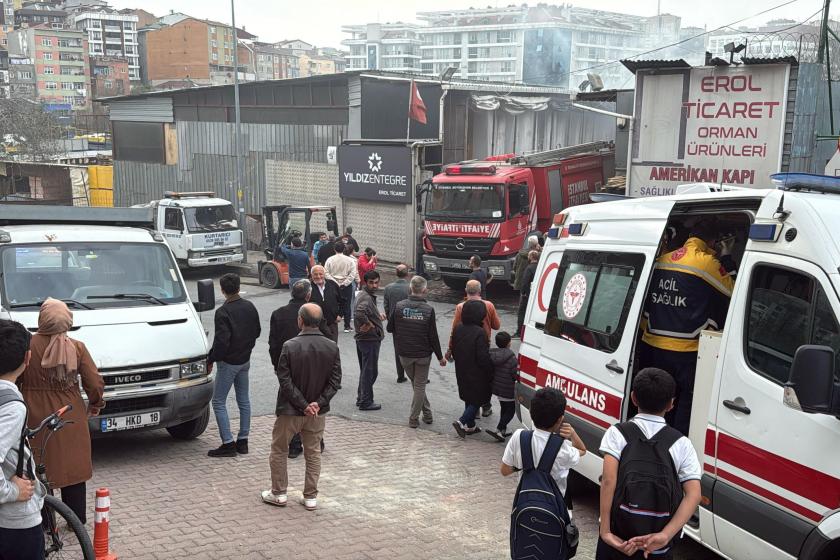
(109,76)
(180,47)
(22,78)
(5,89)
(314,61)
(111,34)
(275,63)
(62,75)
(543,44)
(40,13)
(384,46)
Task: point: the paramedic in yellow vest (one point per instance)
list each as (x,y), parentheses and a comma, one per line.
(689,292)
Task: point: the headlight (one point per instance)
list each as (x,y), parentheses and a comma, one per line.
(496,270)
(193,368)
(431,266)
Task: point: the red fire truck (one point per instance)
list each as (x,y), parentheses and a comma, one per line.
(489,207)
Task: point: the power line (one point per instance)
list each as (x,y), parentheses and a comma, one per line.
(771,32)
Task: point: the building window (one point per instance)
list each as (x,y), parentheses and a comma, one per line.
(504,37)
(24,75)
(109,84)
(66,85)
(49,70)
(46,41)
(214,43)
(214,55)
(507,66)
(48,56)
(50,85)
(472,38)
(80,86)
(69,99)
(212,29)
(472,52)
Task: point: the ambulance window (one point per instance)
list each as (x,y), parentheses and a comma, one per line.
(592,296)
(172,219)
(787,309)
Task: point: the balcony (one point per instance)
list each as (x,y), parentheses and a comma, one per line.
(113,29)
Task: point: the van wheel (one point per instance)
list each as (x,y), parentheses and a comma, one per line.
(455,283)
(191,429)
(269,276)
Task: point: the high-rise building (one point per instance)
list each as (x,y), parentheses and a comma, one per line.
(180,47)
(543,44)
(383,46)
(111,34)
(60,58)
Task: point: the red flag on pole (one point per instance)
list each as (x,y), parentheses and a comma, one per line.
(416,108)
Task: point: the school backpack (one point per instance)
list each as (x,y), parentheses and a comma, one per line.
(647,491)
(8,396)
(540,526)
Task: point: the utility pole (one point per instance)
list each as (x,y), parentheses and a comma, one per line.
(823,33)
(240,195)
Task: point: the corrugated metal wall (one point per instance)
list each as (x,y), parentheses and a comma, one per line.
(150,109)
(499,132)
(811,118)
(206,160)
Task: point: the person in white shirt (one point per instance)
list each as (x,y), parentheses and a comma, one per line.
(343,270)
(653,393)
(548,409)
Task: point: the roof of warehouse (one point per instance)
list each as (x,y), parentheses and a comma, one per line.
(635,65)
(603,95)
(455,84)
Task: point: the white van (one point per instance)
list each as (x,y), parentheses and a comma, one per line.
(130,308)
(766,411)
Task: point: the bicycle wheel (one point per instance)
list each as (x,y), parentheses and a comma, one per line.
(64,534)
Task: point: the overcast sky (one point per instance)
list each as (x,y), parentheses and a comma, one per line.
(320,21)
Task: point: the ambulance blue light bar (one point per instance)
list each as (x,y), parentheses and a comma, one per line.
(577,228)
(553,233)
(765,232)
(806,182)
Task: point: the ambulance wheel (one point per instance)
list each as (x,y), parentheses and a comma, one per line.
(455,283)
(191,429)
(269,277)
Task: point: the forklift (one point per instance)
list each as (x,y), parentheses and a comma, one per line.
(283,223)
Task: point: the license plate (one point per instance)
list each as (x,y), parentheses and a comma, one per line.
(129,422)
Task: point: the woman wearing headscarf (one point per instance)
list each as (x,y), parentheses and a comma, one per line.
(473,366)
(52,381)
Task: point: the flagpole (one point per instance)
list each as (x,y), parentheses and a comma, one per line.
(408,120)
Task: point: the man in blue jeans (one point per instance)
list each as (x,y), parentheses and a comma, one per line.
(237,330)
(298,260)
(369,334)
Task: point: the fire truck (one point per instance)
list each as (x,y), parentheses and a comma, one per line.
(489,207)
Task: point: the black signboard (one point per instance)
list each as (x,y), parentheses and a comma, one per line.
(380,173)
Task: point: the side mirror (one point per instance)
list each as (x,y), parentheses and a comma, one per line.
(811,384)
(206,297)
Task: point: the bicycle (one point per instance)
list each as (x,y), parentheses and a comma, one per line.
(58,543)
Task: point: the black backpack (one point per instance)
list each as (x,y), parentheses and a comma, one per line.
(648,491)
(540,526)
(7,396)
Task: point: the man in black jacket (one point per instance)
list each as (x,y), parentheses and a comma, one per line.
(309,372)
(284,327)
(415,338)
(326,294)
(395,292)
(369,334)
(237,328)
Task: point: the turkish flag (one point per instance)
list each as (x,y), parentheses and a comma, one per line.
(417,109)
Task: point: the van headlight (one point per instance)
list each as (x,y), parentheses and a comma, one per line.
(431,266)
(496,270)
(194,369)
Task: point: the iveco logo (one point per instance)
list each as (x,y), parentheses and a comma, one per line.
(123,379)
(460,244)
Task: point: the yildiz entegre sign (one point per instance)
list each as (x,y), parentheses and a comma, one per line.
(716,124)
(380,173)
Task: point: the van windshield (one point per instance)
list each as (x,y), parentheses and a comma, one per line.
(465,202)
(92,275)
(202,219)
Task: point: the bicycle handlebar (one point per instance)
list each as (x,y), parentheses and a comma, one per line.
(53,421)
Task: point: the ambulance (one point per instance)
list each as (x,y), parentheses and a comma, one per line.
(765,419)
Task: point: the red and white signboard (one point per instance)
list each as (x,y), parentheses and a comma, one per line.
(716,124)
(462,229)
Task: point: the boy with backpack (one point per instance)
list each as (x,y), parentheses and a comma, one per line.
(21,494)
(650,485)
(504,383)
(540,519)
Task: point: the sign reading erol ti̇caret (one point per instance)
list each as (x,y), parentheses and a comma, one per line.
(716,124)
(379,173)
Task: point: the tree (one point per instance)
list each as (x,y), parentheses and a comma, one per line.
(28,132)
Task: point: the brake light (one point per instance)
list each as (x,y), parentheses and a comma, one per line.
(559,219)
(427,244)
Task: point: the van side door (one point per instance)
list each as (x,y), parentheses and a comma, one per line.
(777,470)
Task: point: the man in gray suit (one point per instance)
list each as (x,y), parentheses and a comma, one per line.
(309,371)
(395,292)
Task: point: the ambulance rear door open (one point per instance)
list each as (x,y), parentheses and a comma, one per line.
(581,328)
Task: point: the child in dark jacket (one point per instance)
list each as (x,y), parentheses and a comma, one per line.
(504,381)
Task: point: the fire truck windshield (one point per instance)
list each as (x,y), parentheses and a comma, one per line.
(465,202)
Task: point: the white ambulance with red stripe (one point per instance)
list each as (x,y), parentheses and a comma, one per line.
(766,409)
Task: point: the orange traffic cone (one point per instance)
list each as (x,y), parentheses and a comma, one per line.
(101,524)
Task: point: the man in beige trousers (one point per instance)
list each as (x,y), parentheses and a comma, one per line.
(309,372)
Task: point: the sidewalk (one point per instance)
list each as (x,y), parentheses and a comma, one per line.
(385,492)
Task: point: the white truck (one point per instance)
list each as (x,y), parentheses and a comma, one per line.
(200,229)
(766,405)
(130,308)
